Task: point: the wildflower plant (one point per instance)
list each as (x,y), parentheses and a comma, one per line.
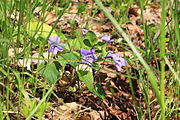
(87,45)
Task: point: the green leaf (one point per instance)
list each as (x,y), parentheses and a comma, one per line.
(100,43)
(63,3)
(104,51)
(111,90)
(27,106)
(4,40)
(87,43)
(109,87)
(102,47)
(75,43)
(92,38)
(73,23)
(40,29)
(81,7)
(65,46)
(71,58)
(4,48)
(49,72)
(87,78)
(100,91)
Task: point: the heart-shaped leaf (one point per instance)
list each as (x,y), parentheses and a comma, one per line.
(49,72)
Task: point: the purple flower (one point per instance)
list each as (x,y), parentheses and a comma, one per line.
(88,55)
(84,31)
(119,61)
(54,44)
(107,39)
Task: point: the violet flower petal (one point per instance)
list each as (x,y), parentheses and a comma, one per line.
(84,31)
(54,39)
(54,47)
(107,39)
(55,51)
(93,50)
(119,61)
(95,57)
(59,48)
(85,52)
(88,55)
(51,49)
(122,61)
(118,66)
(87,60)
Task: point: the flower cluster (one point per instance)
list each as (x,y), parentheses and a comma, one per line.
(54,44)
(88,55)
